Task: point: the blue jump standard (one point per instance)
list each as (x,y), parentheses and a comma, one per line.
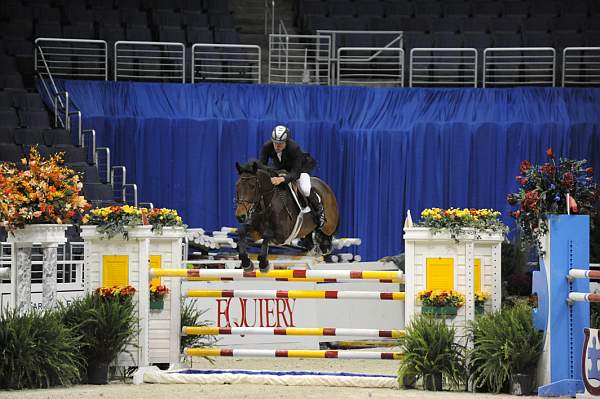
(563,323)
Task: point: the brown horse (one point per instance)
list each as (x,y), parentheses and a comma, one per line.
(270,212)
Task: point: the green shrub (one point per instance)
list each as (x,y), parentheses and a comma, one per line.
(106,325)
(505,343)
(429,348)
(37,350)
(191,316)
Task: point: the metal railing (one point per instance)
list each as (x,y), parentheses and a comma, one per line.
(103,163)
(70,262)
(443,67)
(118,178)
(153,61)
(370,66)
(238,63)
(269,16)
(299,59)
(64,109)
(519,66)
(72,58)
(359,39)
(581,66)
(130,194)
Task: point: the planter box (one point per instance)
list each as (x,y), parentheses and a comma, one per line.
(440,310)
(479,310)
(157,303)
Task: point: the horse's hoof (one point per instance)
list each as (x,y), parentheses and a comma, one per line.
(247,265)
(263,265)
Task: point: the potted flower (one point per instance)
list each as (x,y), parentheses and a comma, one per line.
(160,218)
(430,352)
(157,296)
(555,187)
(107,321)
(461,222)
(44,193)
(480,299)
(118,220)
(440,302)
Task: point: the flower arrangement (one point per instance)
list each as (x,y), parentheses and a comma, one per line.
(115,292)
(158,291)
(481,297)
(563,186)
(115,220)
(456,220)
(162,217)
(441,298)
(480,300)
(45,192)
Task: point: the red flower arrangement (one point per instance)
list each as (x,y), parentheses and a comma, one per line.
(158,291)
(549,189)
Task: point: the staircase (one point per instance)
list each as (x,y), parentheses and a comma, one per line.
(249,19)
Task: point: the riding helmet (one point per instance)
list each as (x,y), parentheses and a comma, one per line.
(280,134)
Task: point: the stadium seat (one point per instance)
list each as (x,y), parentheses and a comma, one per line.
(10,153)
(57,137)
(7,135)
(27,101)
(98,191)
(32,118)
(29,136)
(8,118)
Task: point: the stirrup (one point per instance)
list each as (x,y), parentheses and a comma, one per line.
(319,220)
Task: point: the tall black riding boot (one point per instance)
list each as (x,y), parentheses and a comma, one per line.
(317,208)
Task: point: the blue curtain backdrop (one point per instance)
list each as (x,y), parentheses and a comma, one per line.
(383,151)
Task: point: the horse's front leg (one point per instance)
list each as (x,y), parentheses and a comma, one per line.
(263,258)
(247,264)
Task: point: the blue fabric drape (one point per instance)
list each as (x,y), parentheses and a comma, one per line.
(383,151)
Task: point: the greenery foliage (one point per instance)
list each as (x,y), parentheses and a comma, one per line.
(106,324)
(505,343)
(192,316)
(37,350)
(429,348)
(462,221)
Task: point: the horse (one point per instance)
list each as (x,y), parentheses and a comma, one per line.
(270,213)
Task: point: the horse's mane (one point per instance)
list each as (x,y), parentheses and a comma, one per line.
(254,165)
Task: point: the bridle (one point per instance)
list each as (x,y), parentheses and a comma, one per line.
(256,206)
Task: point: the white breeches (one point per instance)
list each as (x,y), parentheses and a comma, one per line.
(304,183)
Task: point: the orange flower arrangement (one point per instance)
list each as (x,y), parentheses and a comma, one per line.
(45,192)
(158,291)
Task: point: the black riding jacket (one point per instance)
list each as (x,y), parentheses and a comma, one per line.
(293,160)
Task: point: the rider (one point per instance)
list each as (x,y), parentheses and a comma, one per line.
(287,154)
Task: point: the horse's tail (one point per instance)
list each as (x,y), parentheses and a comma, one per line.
(332,213)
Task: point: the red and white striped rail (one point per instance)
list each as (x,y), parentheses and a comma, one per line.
(583,297)
(295,294)
(579,273)
(317,331)
(323,354)
(303,274)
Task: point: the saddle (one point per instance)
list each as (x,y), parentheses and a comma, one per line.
(304,210)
